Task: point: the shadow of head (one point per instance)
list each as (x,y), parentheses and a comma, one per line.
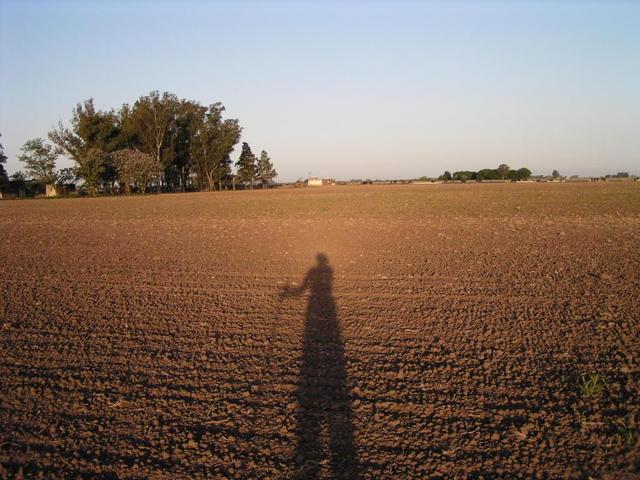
(322,259)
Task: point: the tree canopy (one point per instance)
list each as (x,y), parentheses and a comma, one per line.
(4,179)
(212,141)
(136,168)
(190,144)
(503,172)
(265,171)
(39,160)
(247,168)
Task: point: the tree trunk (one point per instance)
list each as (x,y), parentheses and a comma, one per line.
(158,153)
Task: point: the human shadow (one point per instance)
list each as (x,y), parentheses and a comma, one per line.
(324,427)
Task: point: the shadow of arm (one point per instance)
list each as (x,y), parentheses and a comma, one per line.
(290,291)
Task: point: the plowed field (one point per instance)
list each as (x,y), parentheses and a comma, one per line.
(345,332)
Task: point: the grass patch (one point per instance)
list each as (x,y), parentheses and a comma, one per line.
(592,384)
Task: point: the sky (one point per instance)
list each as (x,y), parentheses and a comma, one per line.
(349,89)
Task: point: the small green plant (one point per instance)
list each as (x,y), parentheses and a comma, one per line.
(627,430)
(592,384)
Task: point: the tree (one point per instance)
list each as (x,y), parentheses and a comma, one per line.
(212,142)
(523,173)
(178,172)
(503,170)
(3,157)
(265,171)
(92,168)
(65,177)
(18,183)
(152,125)
(230,136)
(40,160)
(464,175)
(134,167)
(446,176)
(246,165)
(488,174)
(4,178)
(555,174)
(92,135)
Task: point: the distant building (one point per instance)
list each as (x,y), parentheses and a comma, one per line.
(314,182)
(50,190)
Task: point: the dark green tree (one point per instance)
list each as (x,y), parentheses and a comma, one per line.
(555,174)
(18,184)
(151,123)
(178,173)
(523,173)
(464,175)
(212,142)
(488,174)
(265,171)
(246,164)
(92,169)
(3,157)
(4,178)
(66,177)
(93,134)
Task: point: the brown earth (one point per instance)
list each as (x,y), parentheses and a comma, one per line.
(443,331)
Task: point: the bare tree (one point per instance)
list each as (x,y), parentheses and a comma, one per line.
(135,167)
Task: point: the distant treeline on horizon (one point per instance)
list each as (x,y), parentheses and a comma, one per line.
(503,172)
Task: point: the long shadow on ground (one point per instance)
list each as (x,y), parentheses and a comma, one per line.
(324,427)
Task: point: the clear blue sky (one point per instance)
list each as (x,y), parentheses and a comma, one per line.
(348,89)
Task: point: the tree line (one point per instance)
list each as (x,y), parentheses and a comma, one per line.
(503,172)
(160,141)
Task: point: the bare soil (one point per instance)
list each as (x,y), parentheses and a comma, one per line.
(346,332)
